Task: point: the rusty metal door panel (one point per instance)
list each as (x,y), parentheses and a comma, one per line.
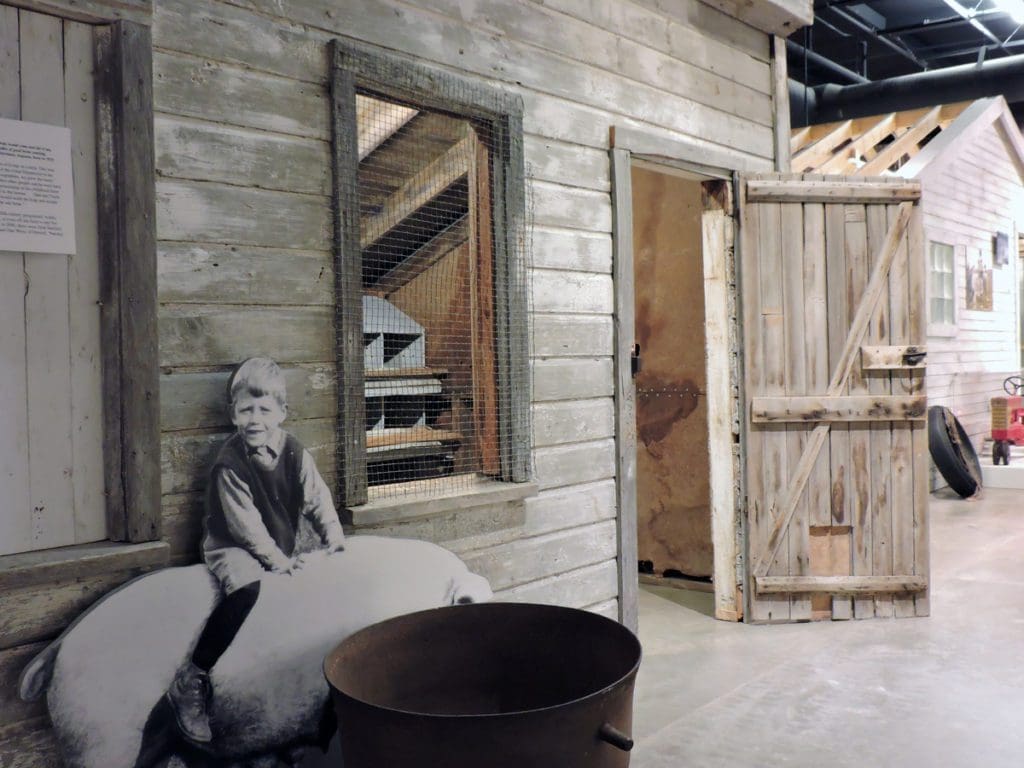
(673,493)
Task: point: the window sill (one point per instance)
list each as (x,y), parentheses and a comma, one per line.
(434,501)
(942,329)
(51,566)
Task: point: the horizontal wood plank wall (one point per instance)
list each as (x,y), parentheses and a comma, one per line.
(243,226)
(968,197)
(242,137)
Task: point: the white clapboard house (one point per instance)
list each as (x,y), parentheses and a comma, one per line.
(969,159)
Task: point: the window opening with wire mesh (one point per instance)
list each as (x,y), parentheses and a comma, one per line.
(439,275)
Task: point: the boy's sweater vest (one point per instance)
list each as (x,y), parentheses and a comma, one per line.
(277,493)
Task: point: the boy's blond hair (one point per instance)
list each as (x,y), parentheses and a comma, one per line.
(256,377)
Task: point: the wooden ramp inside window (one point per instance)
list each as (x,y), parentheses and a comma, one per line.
(869,146)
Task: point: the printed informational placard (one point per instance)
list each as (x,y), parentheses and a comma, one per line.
(37,201)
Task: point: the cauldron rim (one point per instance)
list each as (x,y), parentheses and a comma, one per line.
(632,638)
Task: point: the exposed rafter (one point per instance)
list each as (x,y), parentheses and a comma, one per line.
(870,146)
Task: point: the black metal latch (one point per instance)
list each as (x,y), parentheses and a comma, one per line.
(913,358)
(634,360)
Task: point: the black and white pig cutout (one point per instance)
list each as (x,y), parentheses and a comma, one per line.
(106,677)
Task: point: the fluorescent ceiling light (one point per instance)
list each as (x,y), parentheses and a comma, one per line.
(1013,8)
(967,13)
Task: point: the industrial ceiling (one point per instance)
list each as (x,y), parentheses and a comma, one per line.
(857,41)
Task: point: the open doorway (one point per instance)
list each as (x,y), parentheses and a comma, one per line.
(673,494)
(677,405)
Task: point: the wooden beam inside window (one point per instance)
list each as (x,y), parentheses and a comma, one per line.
(417,192)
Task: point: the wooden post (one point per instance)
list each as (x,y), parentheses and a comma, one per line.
(780,100)
(625,392)
(126,199)
(714,221)
(348,275)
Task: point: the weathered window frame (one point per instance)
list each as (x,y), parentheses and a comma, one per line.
(126,212)
(358,66)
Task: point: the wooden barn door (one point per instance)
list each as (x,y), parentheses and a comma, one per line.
(51,434)
(832,293)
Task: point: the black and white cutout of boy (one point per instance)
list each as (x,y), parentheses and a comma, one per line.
(263,482)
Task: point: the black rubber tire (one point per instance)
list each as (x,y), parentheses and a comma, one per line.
(952,452)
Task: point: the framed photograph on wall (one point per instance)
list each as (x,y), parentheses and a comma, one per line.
(1001,249)
(979,280)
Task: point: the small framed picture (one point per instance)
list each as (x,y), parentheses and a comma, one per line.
(1001,249)
(979,280)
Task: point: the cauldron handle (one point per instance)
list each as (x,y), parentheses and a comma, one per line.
(615,737)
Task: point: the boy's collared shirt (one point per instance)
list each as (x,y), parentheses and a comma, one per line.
(266,455)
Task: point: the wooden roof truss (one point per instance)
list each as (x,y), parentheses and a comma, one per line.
(869,146)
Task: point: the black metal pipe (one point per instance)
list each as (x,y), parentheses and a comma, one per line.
(920,26)
(827,64)
(873,33)
(1003,76)
(973,52)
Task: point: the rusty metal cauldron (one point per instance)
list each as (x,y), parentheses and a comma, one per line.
(501,685)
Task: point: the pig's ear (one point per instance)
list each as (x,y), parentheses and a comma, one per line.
(35,678)
(468,588)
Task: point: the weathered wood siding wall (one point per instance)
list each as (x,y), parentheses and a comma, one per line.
(244,228)
(972,195)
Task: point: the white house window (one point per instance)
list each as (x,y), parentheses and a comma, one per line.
(942,298)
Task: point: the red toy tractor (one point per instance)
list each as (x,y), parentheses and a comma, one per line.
(1007,420)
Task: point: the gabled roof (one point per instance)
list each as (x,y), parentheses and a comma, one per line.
(907,143)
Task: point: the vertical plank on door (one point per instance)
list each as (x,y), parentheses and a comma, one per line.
(84,289)
(46,311)
(775,466)
(919,431)
(794,361)
(882,461)
(860,434)
(901,308)
(10,64)
(839,320)
(758,523)
(15,518)
(815,318)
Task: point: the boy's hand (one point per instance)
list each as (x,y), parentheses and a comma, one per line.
(280,564)
(335,546)
(309,557)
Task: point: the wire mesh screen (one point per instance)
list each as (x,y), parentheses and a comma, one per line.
(435,299)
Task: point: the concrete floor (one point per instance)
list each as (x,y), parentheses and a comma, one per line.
(947,690)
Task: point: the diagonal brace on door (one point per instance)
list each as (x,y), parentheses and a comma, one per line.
(782,517)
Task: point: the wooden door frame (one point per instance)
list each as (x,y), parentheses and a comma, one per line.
(718,229)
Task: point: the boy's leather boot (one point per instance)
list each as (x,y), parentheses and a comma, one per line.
(189,695)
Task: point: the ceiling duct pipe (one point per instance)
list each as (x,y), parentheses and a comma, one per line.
(802,103)
(967,82)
